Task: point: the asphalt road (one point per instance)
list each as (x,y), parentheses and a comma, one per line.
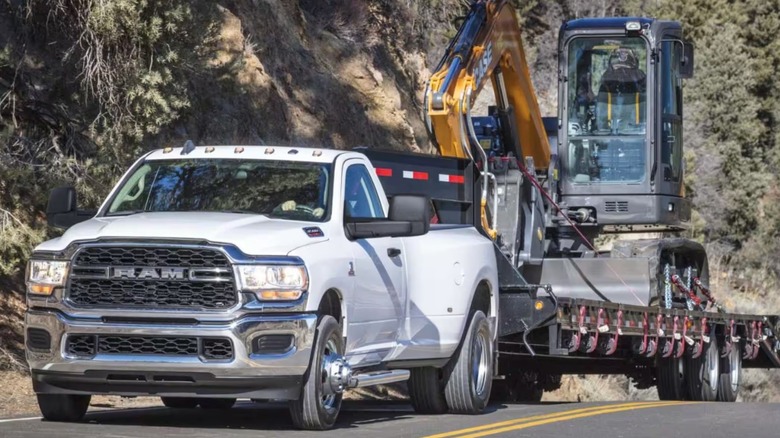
(580,420)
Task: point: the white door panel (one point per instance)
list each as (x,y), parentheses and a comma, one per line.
(377,307)
(379,296)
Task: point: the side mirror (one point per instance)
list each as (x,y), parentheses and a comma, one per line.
(686,61)
(410,215)
(61,210)
(414,209)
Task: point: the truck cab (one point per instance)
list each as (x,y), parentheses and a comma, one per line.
(215,273)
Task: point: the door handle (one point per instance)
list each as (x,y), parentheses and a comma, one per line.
(393,252)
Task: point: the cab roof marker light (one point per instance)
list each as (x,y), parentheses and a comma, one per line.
(633,26)
(269,151)
(238,150)
(168,150)
(189,146)
(316,153)
(210,149)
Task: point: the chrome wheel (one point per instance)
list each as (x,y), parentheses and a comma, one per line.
(319,402)
(713,367)
(681,370)
(480,364)
(703,374)
(469,376)
(730,374)
(735,369)
(330,355)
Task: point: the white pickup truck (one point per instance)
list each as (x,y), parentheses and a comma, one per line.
(221,272)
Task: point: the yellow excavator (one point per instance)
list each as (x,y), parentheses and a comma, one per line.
(488,49)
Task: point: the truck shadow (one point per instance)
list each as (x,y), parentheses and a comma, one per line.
(260,416)
(246,416)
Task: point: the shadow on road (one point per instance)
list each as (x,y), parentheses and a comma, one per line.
(263,416)
(248,416)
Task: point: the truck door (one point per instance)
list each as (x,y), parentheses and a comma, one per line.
(377,308)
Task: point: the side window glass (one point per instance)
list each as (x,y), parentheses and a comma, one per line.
(671,98)
(360,197)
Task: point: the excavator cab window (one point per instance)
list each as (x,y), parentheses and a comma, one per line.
(607,119)
(671,103)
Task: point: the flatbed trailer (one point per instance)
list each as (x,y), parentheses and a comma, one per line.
(543,333)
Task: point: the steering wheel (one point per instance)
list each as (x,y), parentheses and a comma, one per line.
(305,209)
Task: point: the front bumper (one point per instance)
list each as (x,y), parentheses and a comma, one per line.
(246,375)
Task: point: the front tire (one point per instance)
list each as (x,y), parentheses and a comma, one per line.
(68,408)
(314,409)
(468,388)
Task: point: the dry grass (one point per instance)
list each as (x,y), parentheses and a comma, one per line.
(347,19)
(11,335)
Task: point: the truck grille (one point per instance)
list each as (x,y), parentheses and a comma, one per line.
(150,256)
(87,346)
(151,277)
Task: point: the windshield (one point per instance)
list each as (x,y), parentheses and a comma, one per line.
(280,189)
(607,94)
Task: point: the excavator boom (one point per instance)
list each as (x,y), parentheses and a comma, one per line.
(488,47)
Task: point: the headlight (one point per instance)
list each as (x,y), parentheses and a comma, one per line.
(45,275)
(273,282)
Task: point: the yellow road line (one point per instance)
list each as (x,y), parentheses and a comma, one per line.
(551,417)
(526,425)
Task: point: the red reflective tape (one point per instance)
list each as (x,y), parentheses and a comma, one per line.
(455,179)
(381,171)
(408,174)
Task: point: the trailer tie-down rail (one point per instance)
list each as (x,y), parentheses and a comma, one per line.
(596,327)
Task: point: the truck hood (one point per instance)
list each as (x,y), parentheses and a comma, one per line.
(252,234)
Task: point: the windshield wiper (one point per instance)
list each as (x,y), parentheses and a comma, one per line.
(126,213)
(239,211)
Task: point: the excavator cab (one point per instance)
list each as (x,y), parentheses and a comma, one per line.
(620,122)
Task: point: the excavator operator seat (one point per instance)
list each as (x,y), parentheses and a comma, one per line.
(622,94)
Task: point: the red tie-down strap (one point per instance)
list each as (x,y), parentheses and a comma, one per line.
(658,332)
(703,339)
(593,341)
(577,339)
(756,339)
(612,343)
(681,287)
(668,350)
(680,339)
(729,339)
(645,328)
